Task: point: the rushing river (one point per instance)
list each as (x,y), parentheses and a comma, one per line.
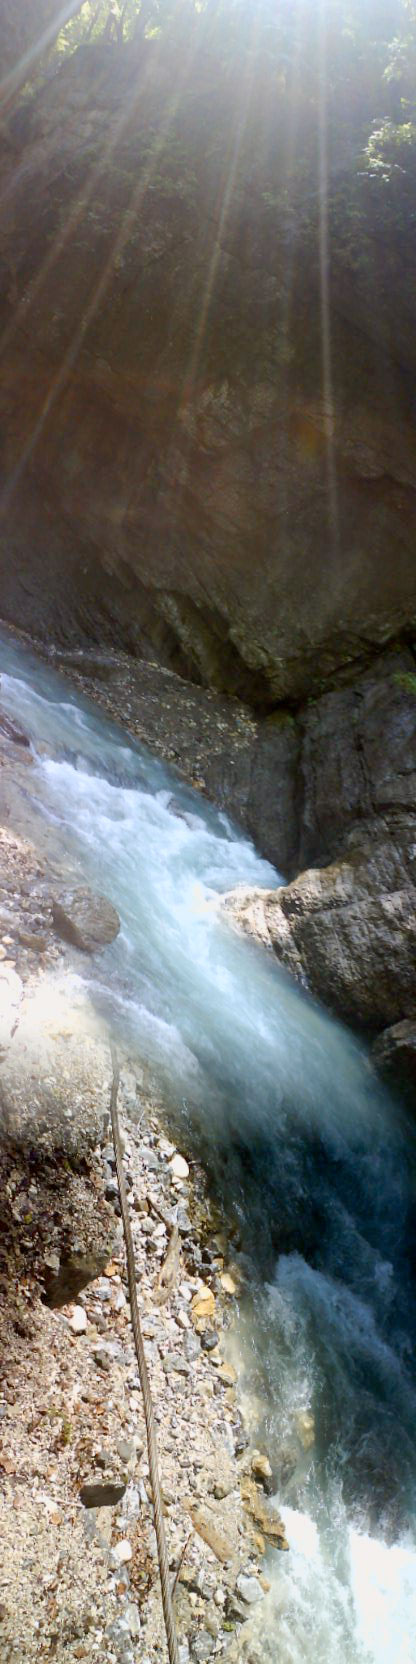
(305,1149)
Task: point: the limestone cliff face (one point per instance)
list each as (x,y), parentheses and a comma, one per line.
(346,926)
(184,471)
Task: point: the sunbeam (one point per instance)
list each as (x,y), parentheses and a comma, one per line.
(324,276)
(130,216)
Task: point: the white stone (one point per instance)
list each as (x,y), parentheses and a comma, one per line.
(121,1553)
(179,1167)
(249,1589)
(78,1321)
(183,1320)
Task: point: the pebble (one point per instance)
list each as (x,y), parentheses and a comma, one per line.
(150,1160)
(111,1190)
(209,1340)
(174,1360)
(202,1645)
(101,1357)
(78,1321)
(191,1345)
(126,1450)
(179,1167)
(183,1320)
(183,1221)
(121,1553)
(103,1458)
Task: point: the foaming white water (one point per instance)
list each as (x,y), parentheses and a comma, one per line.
(383,1583)
(362,1611)
(301,1142)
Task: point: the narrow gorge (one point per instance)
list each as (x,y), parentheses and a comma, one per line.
(208,820)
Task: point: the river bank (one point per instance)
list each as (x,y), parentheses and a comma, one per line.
(79,1571)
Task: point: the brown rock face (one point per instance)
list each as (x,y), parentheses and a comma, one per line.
(175,475)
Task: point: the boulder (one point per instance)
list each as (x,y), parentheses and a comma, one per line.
(347,932)
(87,920)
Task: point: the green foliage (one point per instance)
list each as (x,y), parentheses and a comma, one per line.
(349,71)
(405,679)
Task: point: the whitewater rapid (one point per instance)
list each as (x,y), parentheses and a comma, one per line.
(304,1148)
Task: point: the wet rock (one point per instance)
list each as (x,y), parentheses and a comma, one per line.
(394,1055)
(209,1340)
(10,730)
(86,920)
(227,1374)
(260,1467)
(228,1283)
(32,939)
(263,1514)
(306,1429)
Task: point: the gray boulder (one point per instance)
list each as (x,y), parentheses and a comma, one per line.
(347,932)
(87,920)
